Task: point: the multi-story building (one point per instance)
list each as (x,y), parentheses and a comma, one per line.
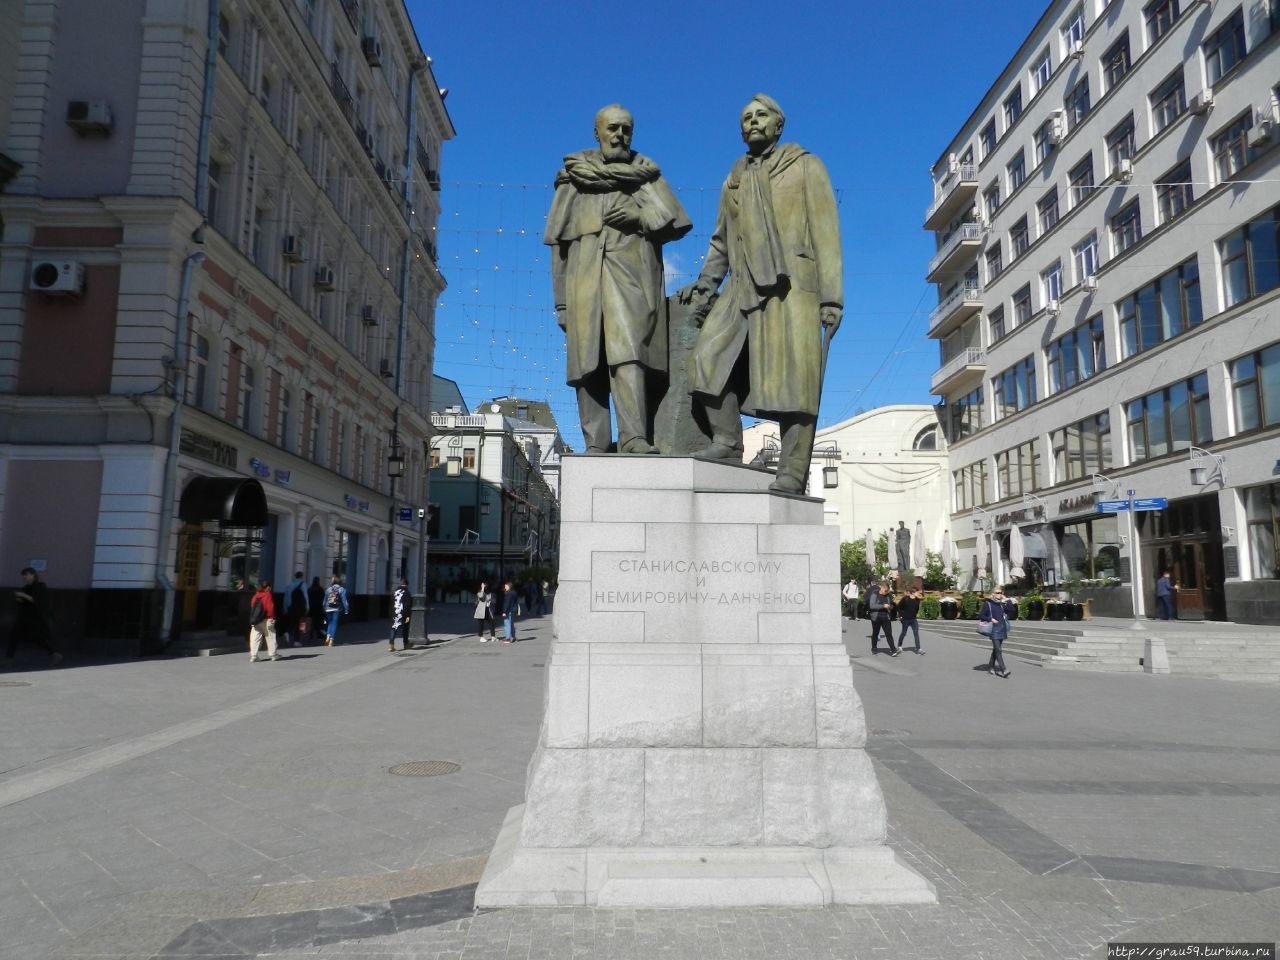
(1109,304)
(533,419)
(217,295)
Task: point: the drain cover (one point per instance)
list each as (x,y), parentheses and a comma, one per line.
(425,768)
(14,683)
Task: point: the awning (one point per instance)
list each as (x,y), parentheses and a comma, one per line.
(1033,546)
(234,501)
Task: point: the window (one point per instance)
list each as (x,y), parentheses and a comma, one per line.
(198,393)
(926,439)
(1044,137)
(1041,73)
(318,453)
(1250,258)
(215,184)
(1126,228)
(1076,356)
(965,416)
(1047,211)
(1116,62)
(994,262)
(1019,238)
(1013,107)
(1015,388)
(988,138)
(992,200)
(435,457)
(1022,306)
(1051,283)
(1120,143)
(1073,31)
(1159,15)
(1160,310)
(1224,48)
(1168,101)
(1082,449)
(1084,256)
(284,422)
(1017,169)
(224,35)
(1255,385)
(468,459)
(248,383)
(1170,420)
(995,324)
(970,485)
(1231,150)
(1173,192)
(257,246)
(1018,470)
(1091,548)
(1077,103)
(1262,512)
(1081,179)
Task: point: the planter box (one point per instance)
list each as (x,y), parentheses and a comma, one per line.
(1112,601)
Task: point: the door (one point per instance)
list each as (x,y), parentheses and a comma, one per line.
(1188,574)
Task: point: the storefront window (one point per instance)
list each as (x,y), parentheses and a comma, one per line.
(1262,508)
(1091,548)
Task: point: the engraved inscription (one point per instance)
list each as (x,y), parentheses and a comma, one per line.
(775,583)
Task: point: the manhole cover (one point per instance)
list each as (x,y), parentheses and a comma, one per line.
(14,683)
(889,733)
(406,654)
(425,768)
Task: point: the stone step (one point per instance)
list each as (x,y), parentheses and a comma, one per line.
(206,643)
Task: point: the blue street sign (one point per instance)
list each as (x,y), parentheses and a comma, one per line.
(1113,506)
(1151,503)
(406,513)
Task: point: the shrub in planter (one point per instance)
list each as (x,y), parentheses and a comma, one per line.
(930,608)
(970,604)
(950,608)
(1031,607)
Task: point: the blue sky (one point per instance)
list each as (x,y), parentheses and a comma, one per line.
(875,90)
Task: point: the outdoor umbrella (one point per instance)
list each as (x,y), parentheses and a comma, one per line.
(869,545)
(982,555)
(917,548)
(995,556)
(1017,555)
(946,551)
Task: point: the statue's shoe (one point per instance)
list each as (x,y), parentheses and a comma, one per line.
(785,484)
(719,451)
(638,445)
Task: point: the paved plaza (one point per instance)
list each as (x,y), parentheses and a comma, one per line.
(209,807)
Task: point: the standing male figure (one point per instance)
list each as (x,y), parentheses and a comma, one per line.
(908,612)
(401,613)
(510,608)
(760,351)
(902,548)
(295,608)
(33,621)
(1164,596)
(850,594)
(611,214)
(262,622)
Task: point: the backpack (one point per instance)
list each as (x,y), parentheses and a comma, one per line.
(333,599)
(257,612)
(298,600)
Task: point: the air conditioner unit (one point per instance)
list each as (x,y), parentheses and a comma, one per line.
(1057,126)
(369,315)
(1053,308)
(1077,50)
(1266,118)
(295,251)
(1201,103)
(324,278)
(1124,170)
(89,116)
(384,368)
(372,51)
(57,278)
(1089,284)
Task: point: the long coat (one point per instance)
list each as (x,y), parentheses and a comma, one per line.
(609,281)
(778,326)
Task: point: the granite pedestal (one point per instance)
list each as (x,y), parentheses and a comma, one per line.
(702,742)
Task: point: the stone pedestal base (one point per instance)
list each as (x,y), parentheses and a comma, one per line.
(702,742)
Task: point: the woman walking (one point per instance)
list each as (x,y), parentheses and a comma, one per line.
(993,613)
(484,613)
(335,603)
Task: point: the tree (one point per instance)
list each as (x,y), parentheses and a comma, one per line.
(936,576)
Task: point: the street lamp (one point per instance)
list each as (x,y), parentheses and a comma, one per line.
(395,460)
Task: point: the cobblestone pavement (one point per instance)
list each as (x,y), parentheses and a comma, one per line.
(212,808)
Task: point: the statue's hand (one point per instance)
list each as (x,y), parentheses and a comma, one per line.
(700,289)
(831,317)
(560,312)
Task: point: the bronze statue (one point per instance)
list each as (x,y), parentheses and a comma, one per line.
(902,546)
(763,343)
(610,216)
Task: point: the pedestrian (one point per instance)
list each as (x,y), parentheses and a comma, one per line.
(1165,588)
(510,607)
(539,598)
(546,596)
(484,613)
(908,611)
(993,612)
(879,603)
(262,622)
(295,609)
(872,589)
(315,604)
(401,612)
(850,594)
(34,620)
(335,603)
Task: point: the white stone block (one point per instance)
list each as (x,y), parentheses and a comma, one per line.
(757,696)
(708,475)
(517,876)
(841,721)
(821,545)
(702,796)
(820,798)
(583,798)
(783,509)
(705,877)
(874,874)
(646,694)
(565,704)
(576,621)
(579,540)
(611,505)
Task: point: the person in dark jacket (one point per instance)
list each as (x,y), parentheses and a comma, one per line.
(908,611)
(1165,588)
(401,613)
(315,605)
(483,613)
(34,620)
(295,608)
(993,610)
(879,603)
(510,603)
(262,622)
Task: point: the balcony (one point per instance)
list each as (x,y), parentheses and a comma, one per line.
(954,193)
(969,364)
(956,251)
(959,306)
(341,93)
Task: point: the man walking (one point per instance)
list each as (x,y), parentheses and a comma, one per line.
(880,620)
(1165,588)
(335,605)
(908,611)
(295,608)
(850,594)
(262,622)
(610,216)
(34,620)
(510,604)
(401,611)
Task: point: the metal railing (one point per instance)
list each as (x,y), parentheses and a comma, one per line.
(969,293)
(967,232)
(965,172)
(969,357)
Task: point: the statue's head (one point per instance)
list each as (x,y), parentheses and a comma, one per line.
(614,125)
(762,121)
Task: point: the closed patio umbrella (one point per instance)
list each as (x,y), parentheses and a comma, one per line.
(983,556)
(1017,554)
(869,548)
(917,548)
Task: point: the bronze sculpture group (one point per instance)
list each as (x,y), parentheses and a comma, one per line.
(768,299)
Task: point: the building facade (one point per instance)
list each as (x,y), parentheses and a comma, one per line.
(1109,305)
(217,295)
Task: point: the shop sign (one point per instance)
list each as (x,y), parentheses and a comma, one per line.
(354,504)
(282,476)
(1016,516)
(207,448)
(259,468)
(1082,503)
(1230,563)
(406,513)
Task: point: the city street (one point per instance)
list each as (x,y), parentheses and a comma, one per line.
(209,807)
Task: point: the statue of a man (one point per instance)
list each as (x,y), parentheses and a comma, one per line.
(902,545)
(762,344)
(611,214)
